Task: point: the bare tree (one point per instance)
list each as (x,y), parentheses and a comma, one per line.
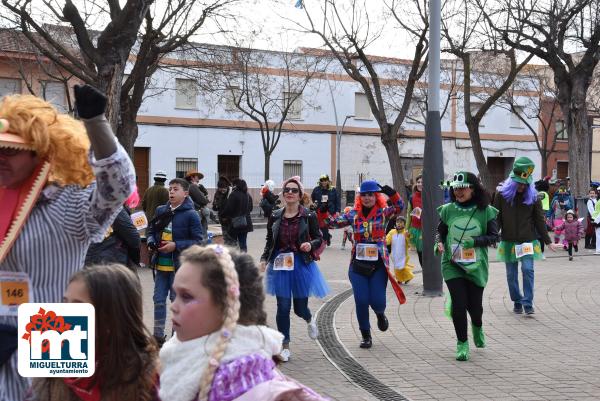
(544,109)
(488,64)
(96,41)
(553,30)
(347,32)
(269,87)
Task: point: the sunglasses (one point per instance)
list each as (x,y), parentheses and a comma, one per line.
(291,190)
(9,151)
(367,194)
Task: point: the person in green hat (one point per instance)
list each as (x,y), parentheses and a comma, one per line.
(521,220)
(467,227)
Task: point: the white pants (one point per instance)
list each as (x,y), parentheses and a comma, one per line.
(597,239)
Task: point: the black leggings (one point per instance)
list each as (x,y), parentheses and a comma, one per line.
(466,296)
(420,255)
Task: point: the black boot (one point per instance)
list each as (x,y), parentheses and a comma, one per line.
(382,322)
(366,341)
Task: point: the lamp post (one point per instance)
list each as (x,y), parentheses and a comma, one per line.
(433,171)
(338,178)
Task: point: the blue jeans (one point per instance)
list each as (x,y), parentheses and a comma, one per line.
(284,306)
(368,291)
(512,277)
(242,241)
(163,284)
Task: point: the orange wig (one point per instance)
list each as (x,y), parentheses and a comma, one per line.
(57,138)
(380,201)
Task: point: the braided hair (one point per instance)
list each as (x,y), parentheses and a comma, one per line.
(221,258)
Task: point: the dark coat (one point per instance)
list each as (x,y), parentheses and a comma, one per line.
(520,222)
(200,200)
(121,246)
(333,201)
(270,200)
(308,231)
(186,228)
(238,204)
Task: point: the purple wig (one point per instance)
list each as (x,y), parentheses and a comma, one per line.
(508,190)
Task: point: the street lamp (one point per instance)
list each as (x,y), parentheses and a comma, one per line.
(338,178)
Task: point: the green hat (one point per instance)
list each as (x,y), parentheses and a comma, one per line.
(463,179)
(522,170)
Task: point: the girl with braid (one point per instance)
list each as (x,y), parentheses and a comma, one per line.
(222,349)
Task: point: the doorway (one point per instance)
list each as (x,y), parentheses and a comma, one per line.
(499,168)
(228,166)
(141,162)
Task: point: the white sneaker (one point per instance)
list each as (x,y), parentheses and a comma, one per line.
(313,331)
(285,354)
(597,253)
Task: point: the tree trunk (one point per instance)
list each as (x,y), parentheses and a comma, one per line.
(390,142)
(576,120)
(127,132)
(484,172)
(268,165)
(110,81)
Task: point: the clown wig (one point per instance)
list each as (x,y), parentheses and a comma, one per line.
(380,201)
(508,190)
(57,138)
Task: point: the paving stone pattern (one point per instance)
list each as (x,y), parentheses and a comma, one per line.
(554,355)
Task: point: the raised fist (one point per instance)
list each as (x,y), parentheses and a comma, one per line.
(89,101)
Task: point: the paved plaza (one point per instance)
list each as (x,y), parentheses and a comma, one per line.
(552,355)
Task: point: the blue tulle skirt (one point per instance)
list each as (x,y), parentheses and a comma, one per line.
(304,281)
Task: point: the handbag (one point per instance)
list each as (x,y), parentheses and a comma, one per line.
(364,268)
(239,222)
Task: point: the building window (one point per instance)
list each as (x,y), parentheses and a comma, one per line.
(54,93)
(295,110)
(561,131)
(186,94)
(515,121)
(292,168)
(231,97)
(185,164)
(475,106)
(9,86)
(361,106)
(415,110)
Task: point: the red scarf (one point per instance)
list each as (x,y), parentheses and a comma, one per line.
(17,204)
(85,388)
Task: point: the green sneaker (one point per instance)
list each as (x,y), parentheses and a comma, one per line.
(478,336)
(462,351)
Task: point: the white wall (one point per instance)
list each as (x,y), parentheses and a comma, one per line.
(205,144)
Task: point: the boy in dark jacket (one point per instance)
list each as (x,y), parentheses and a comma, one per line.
(176,227)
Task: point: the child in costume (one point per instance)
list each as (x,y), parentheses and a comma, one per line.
(398,239)
(126,356)
(62,182)
(222,350)
(467,227)
(573,230)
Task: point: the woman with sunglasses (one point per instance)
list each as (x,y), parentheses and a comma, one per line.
(369,260)
(293,236)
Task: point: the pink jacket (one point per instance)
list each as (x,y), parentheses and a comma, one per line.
(573,230)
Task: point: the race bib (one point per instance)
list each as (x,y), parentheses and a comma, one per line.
(367,252)
(525,248)
(284,261)
(416,212)
(324,198)
(139,219)
(463,255)
(16,290)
